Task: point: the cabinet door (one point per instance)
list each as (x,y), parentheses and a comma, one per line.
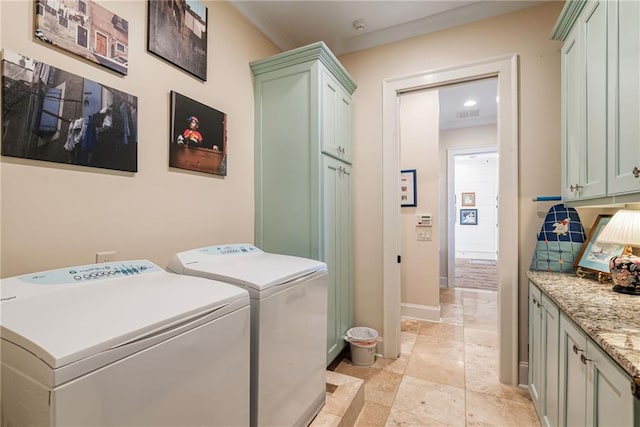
(593,167)
(550,361)
(337,251)
(536,376)
(609,398)
(624,90)
(572,99)
(336,119)
(573,374)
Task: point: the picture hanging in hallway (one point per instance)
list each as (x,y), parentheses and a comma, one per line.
(177,33)
(408,188)
(468,216)
(52,115)
(86,29)
(198,136)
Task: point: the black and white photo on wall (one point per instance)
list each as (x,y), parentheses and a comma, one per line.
(52,115)
(198,136)
(86,29)
(177,33)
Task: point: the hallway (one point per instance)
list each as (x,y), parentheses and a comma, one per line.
(447,372)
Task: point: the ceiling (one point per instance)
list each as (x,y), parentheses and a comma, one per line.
(350,26)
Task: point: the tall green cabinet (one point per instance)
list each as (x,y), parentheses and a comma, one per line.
(303,169)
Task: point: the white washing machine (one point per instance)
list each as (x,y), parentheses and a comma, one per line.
(288,326)
(123,343)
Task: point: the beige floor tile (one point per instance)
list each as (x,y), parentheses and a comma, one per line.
(381,388)
(407,341)
(442,330)
(399,365)
(324,419)
(409,325)
(398,418)
(481,337)
(451,295)
(365,372)
(487,410)
(373,415)
(425,401)
(439,347)
(440,370)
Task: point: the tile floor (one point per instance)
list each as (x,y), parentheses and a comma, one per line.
(446,374)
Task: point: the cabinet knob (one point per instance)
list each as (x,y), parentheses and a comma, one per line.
(636,172)
(584,360)
(576,188)
(577,350)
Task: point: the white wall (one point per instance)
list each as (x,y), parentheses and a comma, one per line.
(55,215)
(476,174)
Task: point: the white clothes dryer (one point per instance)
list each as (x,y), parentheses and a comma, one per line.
(122,344)
(288,326)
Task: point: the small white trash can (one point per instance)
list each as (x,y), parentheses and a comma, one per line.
(362,342)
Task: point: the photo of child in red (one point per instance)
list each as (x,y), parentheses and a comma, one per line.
(191,134)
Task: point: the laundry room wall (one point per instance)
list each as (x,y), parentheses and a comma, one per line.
(56,215)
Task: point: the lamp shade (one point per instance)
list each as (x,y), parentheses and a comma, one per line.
(623,228)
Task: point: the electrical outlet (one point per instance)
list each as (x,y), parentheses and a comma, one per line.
(106,256)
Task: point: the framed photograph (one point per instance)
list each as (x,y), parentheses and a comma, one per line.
(198,136)
(594,256)
(468,199)
(408,188)
(86,29)
(468,216)
(177,33)
(52,115)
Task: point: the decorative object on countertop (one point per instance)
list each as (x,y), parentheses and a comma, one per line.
(561,237)
(595,255)
(624,229)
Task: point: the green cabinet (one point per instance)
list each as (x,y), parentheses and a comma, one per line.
(303,169)
(600,100)
(594,390)
(544,320)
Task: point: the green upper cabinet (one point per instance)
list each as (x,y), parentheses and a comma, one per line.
(600,100)
(303,169)
(624,102)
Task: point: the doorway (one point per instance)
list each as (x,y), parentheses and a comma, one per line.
(472,245)
(505,69)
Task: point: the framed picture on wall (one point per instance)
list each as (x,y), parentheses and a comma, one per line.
(408,188)
(468,199)
(86,29)
(177,33)
(468,216)
(198,136)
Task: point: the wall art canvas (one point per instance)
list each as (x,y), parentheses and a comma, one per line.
(84,28)
(177,33)
(198,136)
(408,188)
(52,115)
(468,216)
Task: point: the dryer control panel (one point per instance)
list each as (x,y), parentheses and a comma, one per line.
(238,248)
(91,272)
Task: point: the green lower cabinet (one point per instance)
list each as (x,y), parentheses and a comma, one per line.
(543,355)
(594,390)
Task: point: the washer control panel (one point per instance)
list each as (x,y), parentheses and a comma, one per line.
(91,272)
(240,248)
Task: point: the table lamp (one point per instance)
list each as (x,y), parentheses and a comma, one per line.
(624,229)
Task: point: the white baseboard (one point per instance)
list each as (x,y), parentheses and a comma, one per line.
(523,374)
(420,312)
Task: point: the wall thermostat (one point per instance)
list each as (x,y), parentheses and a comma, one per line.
(424,220)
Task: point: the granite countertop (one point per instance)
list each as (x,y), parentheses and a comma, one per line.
(610,318)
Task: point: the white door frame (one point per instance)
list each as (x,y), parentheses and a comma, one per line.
(451,204)
(506,69)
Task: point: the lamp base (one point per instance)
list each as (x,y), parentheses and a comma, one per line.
(625,273)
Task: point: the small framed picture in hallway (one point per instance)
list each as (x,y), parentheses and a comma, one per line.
(408,188)
(468,199)
(468,216)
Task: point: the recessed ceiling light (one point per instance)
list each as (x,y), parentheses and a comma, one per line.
(470,103)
